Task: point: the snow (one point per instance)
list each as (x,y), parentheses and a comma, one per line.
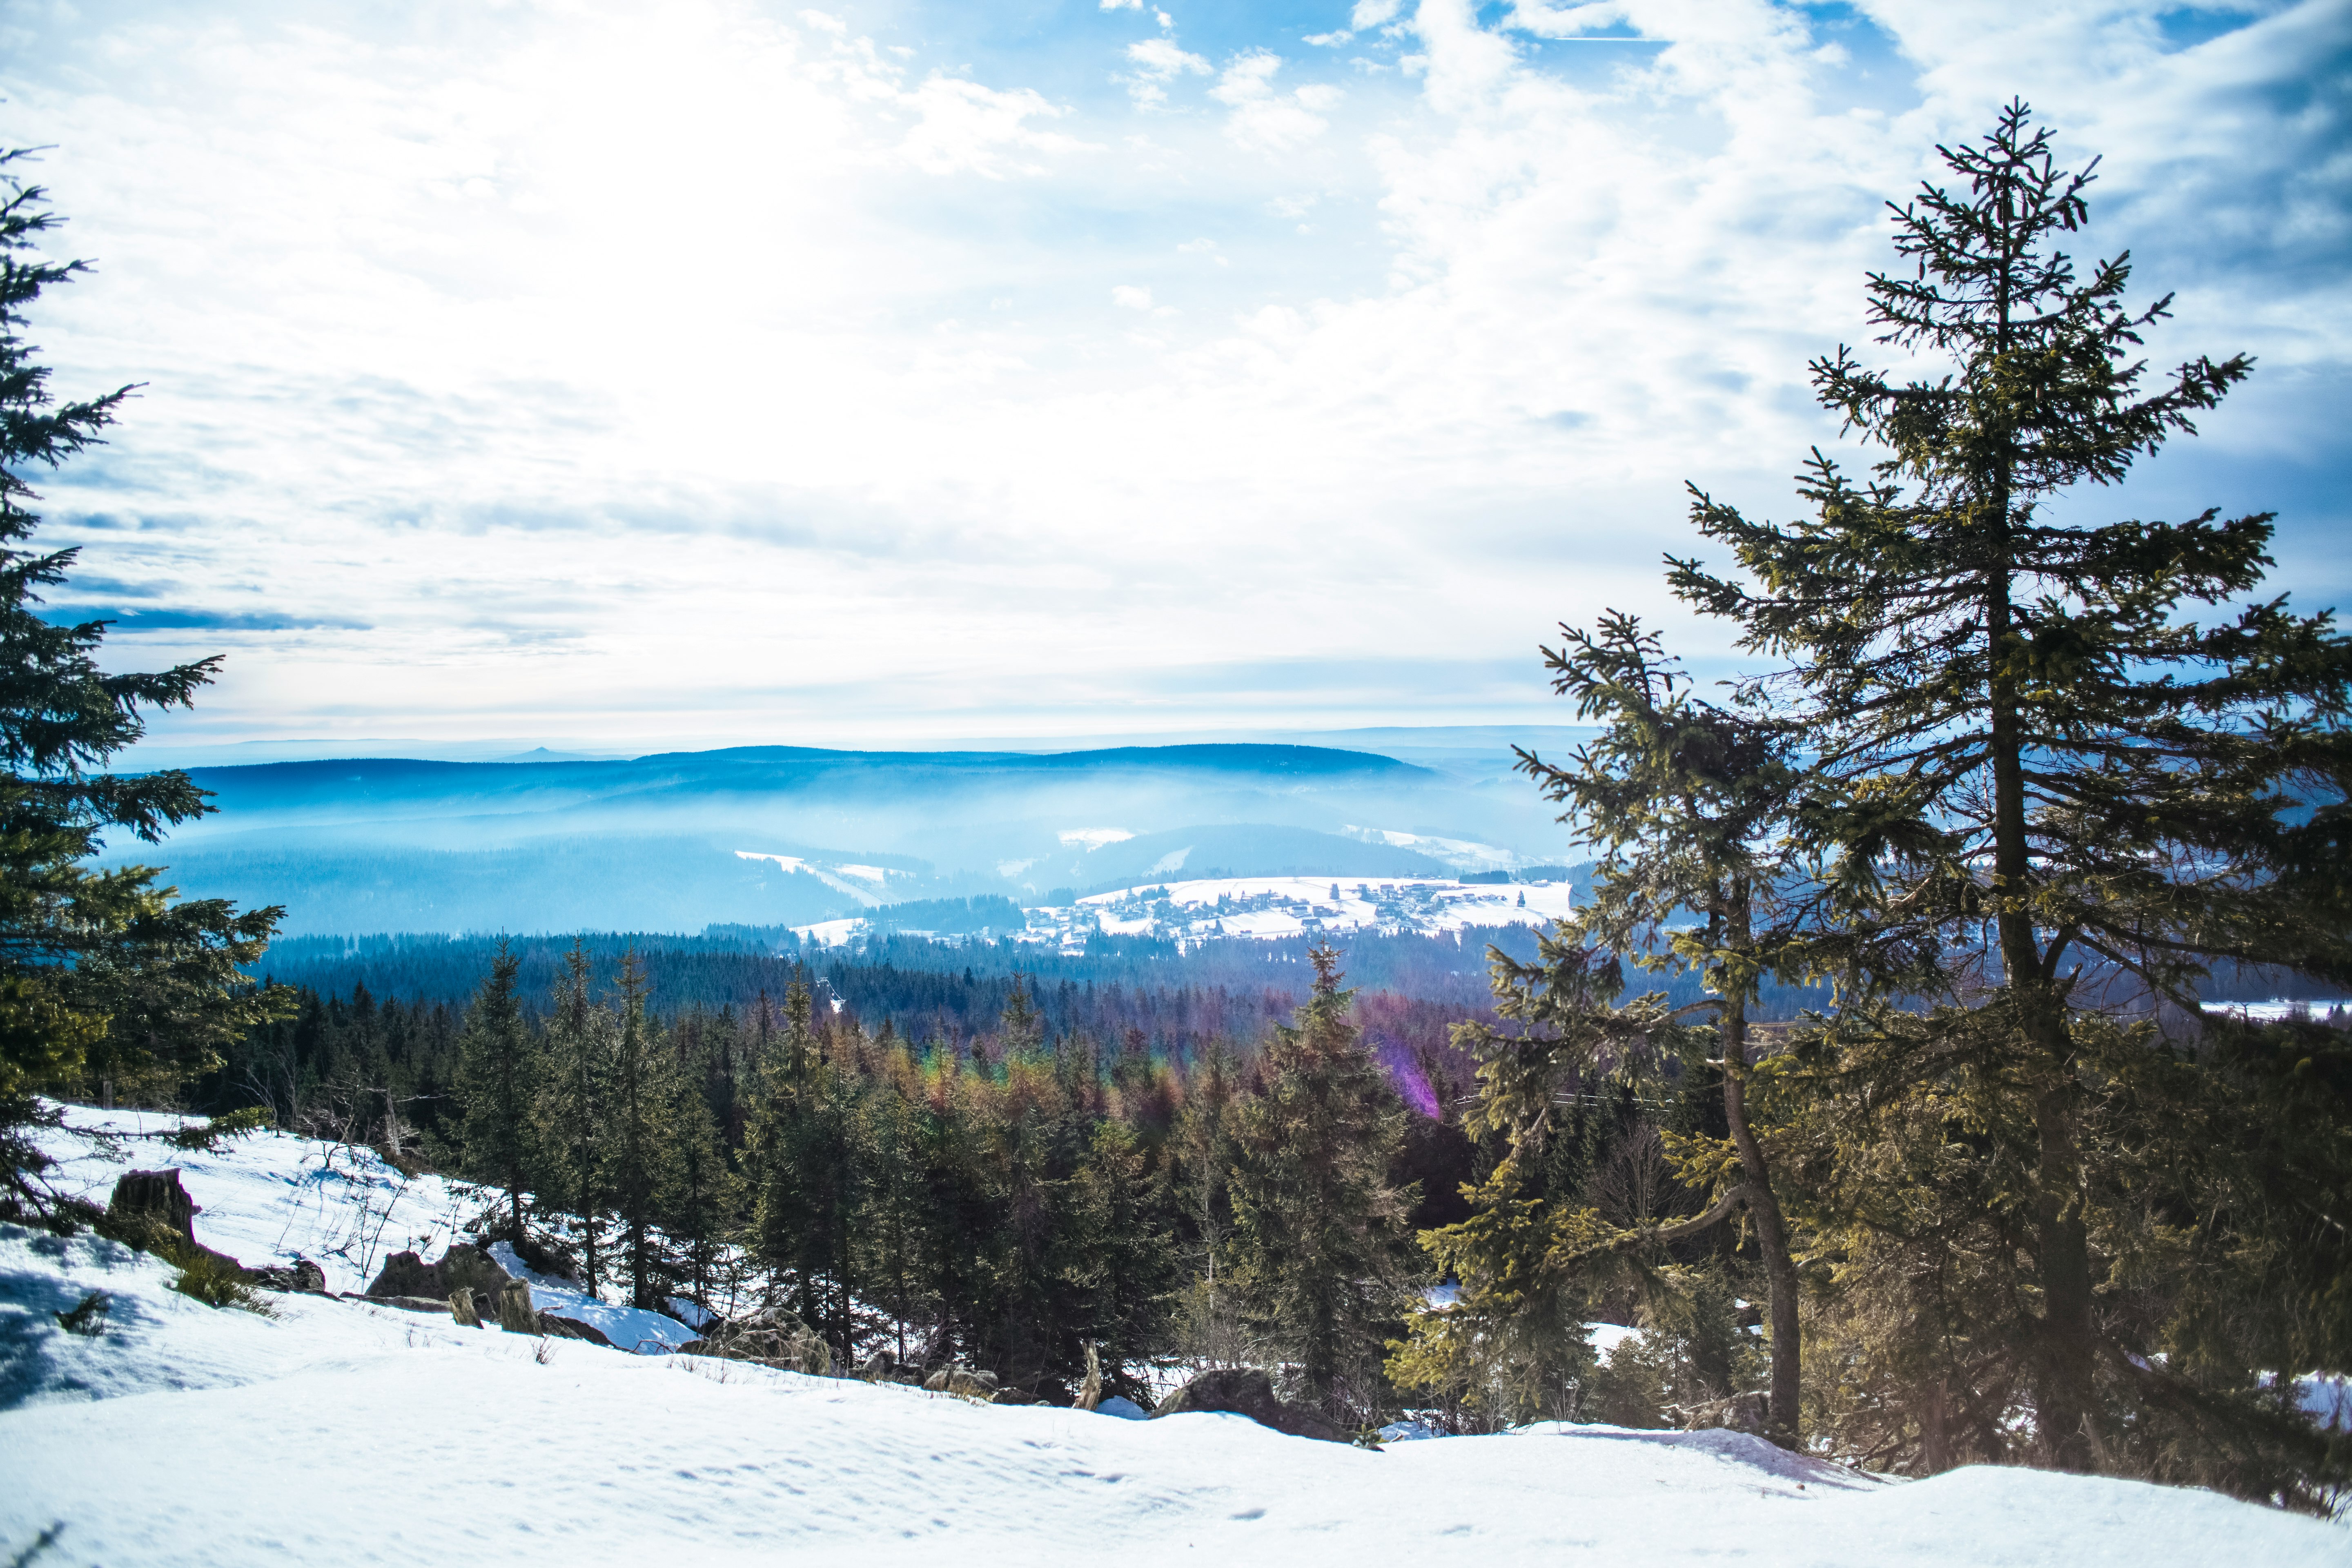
(1270,907)
(1265,907)
(1462,854)
(272,1198)
(344,1432)
(830,875)
(629,1328)
(1605,1338)
(2278,1008)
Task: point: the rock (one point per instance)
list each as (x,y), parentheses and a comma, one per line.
(878,1366)
(1245,1391)
(473,1268)
(1090,1391)
(406,1274)
(516,1314)
(461,1308)
(155,1197)
(964,1384)
(300,1277)
(572,1328)
(434,1304)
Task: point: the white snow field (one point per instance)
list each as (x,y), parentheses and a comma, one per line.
(339,1432)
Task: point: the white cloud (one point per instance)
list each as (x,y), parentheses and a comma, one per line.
(829,23)
(1158,62)
(1374,13)
(668,423)
(965,127)
(1263,119)
(1122,4)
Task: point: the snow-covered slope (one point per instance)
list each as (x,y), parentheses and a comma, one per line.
(1268,907)
(273,1196)
(345,1432)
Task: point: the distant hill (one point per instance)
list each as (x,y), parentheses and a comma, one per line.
(667,842)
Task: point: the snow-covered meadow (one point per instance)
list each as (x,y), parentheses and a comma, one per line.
(339,1431)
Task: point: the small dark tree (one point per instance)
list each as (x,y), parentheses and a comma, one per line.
(1320,1222)
(575,1102)
(495,1076)
(640,1138)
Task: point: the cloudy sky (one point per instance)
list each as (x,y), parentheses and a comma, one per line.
(641,374)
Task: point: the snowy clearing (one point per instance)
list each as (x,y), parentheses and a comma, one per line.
(343,1432)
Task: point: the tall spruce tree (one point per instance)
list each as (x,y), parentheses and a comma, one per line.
(104,975)
(1320,1219)
(2017,726)
(641,1136)
(575,1105)
(496,1073)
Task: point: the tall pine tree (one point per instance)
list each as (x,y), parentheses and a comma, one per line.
(2019,729)
(496,1070)
(1321,1221)
(105,977)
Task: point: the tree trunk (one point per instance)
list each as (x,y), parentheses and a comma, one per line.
(1771,1234)
(2062,1340)
(2061,1391)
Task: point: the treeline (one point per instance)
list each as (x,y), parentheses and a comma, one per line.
(1177,996)
(1000,1198)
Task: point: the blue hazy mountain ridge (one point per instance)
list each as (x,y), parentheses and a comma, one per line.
(660,842)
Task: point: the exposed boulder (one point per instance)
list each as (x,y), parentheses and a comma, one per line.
(433,1304)
(154,1200)
(462,1311)
(151,1211)
(516,1314)
(406,1274)
(1246,1391)
(469,1267)
(300,1277)
(878,1366)
(964,1384)
(572,1328)
(1090,1391)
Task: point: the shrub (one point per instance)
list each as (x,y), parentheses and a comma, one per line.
(214,1280)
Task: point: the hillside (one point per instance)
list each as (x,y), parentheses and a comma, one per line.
(790,836)
(336,1430)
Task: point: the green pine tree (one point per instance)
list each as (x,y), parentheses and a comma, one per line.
(1320,1222)
(104,976)
(575,1105)
(2019,730)
(640,1137)
(495,1071)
